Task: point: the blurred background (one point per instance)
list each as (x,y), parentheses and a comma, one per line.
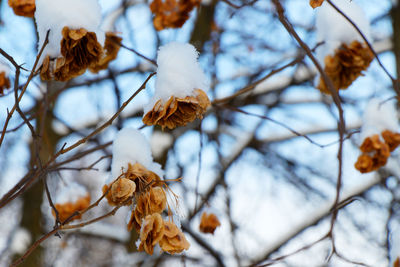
(271,189)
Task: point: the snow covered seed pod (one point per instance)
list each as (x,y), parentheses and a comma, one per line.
(4,80)
(171,13)
(173,240)
(316,3)
(178,98)
(132,165)
(343,54)
(208,223)
(379,135)
(75,40)
(25,8)
(73,197)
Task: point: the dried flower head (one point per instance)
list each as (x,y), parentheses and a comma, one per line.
(112,45)
(346,65)
(79,50)
(177,111)
(121,192)
(391,139)
(316,3)
(151,233)
(171,13)
(153,200)
(208,223)
(65,210)
(173,241)
(374,154)
(25,8)
(4,82)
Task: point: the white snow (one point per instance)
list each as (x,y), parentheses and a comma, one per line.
(4,68)
(379,115)
(53,15)
(178,73)
(334,29)
(130,146)
(70,193)
(20,241)
(159,142)
(394,245)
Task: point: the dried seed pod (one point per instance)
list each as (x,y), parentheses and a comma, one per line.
(25,8)
(79,50)
(208,223)
(391,139)
(316,3)
(173,241)
(112,45)
(346,65)
(151,233)
(375,154)
(171,13)
(178,111)
(4,82)
(65,210)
